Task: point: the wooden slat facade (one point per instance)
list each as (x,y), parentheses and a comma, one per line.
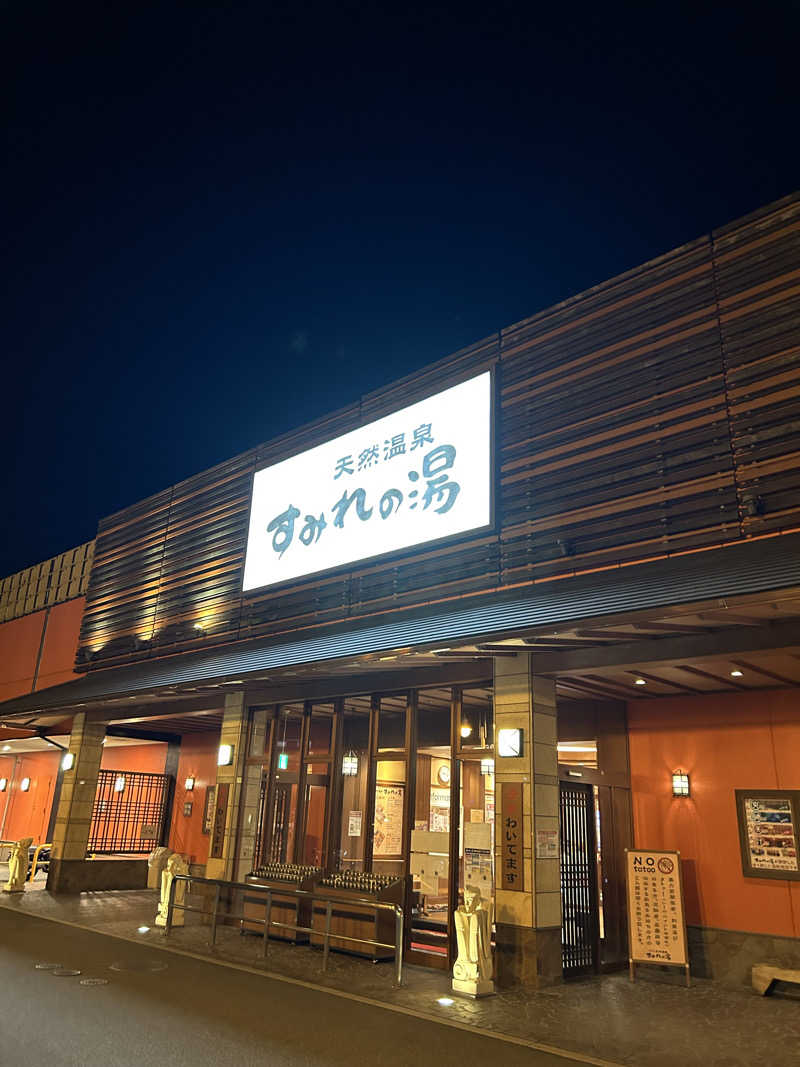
(656,413)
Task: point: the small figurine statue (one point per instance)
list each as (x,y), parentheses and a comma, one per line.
(472,972)
(176,864)
(18,866)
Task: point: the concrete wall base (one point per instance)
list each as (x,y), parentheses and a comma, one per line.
(81,876)
(527,958)
(728,956)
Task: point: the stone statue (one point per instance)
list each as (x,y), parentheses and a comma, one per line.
(176,864)
(18,866)
(472,972)
(156,862)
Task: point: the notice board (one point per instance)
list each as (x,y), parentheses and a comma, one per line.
(656,915)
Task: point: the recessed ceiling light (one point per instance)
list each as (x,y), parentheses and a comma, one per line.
(736,674)
(641,681)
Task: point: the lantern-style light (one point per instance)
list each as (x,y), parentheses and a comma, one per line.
(350,764)
(680,784)
(25,785)
(119,783)
(188,785)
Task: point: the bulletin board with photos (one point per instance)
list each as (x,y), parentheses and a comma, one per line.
(769,832)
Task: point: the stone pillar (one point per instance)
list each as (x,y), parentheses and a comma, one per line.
(528,921)
(251,797)
(234,732)
(74,816)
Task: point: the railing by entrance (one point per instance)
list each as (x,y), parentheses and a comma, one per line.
(268,923)
(128,812)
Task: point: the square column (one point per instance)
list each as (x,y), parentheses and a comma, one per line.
(528,909)
(76,801)
(225,823)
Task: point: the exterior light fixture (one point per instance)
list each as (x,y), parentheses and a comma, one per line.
(3,784)
(119,783)
(350,764)
(509,742)
(25,785)
(142,929)
(68,761)
(640,681)
(466,731)
(680,784)
(225,756)
(487,766)
(6,748)
(737,673)
(446,1002)
(188,785)
(283,761)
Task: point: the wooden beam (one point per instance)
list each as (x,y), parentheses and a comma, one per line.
(638,654)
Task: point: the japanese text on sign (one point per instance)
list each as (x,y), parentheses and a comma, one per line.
(655,908)
(512,851)
(418,475)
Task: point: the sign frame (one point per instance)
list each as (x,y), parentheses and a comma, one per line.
(395,554)
(633,960)
(511,807)
(792,796)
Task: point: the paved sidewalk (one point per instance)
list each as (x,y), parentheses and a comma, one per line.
(654,1022)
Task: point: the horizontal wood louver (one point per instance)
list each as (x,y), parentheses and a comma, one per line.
(655,413)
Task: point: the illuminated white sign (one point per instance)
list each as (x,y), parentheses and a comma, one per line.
(418,475)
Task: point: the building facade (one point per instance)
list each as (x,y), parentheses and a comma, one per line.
(493,625)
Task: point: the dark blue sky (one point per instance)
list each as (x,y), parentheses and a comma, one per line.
(221,221)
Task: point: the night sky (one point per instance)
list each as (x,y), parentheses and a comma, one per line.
(221,221)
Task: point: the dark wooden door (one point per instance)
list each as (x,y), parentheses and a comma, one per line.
(579,927)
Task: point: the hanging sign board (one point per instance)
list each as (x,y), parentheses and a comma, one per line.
(388,829)
(512,853)
(418,475)
(656,916)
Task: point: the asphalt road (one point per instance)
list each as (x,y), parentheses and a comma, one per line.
(198,1013)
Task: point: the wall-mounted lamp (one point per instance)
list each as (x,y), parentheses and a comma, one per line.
(487,766)
(225,756)
(119,783)
(188,785)
(68,761)
(680,784)
(350,764)
(466,730)
(509,742)
(3,784)
(25,785)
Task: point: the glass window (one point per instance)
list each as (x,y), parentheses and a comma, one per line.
(288,736)
(476,728)
(392,723)
(355,761)
(433,718)
(578,753)
(314,836)
(320,732)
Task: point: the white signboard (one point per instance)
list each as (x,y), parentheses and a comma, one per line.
(418,475)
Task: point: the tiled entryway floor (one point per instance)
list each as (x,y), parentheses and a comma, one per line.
(653,1022)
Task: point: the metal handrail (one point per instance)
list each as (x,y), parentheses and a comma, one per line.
(39,848)
(268,922)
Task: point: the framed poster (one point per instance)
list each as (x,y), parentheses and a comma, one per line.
(388,828)
(769,822)
(656,916)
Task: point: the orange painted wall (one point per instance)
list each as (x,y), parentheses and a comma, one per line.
(19,648)
(725,742)
(198,759)
(147,759)
(28,814)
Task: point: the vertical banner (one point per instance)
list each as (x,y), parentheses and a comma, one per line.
(218,826)
(656,917)
(512,853)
